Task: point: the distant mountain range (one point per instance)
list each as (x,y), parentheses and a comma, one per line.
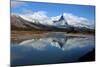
(59,23)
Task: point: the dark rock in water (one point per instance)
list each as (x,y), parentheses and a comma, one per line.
(90,56)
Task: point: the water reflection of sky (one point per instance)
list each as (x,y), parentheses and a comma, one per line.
(50,50)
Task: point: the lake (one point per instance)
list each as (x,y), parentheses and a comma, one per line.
(53,48)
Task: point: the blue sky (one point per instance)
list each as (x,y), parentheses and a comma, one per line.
(54,9)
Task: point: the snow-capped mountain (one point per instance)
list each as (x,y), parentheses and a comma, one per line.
(17,22)
(21,23)
(72,20)
(61,21)
(44,20)
(39,18)
(65,22)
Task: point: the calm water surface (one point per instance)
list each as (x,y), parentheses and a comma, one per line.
(54,48)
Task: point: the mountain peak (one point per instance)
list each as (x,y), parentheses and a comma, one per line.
(61,18)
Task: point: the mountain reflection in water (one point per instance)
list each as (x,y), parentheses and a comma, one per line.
(51,49)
